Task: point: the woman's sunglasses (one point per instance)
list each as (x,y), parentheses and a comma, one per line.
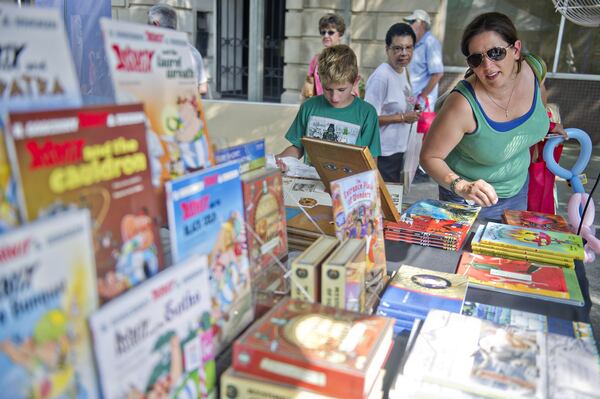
(494,54)
(328,32)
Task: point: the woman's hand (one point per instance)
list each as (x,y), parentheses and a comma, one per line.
(557,129)
(479,191)
(411,117)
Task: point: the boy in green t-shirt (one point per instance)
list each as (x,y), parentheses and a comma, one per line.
(336,115)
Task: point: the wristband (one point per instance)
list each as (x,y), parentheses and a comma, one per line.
(454,183)
(402,116)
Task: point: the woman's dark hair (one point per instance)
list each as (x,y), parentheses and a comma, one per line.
(490,22)
(399,29)
(331,19)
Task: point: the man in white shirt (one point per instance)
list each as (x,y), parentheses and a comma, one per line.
(165,16)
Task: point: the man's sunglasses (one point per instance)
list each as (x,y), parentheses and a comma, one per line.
(328,32)
(494,54)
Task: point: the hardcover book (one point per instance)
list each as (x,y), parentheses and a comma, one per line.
(157,338)
(206,217)
(94,158)
(327,350)
(265,218)
(155,66)
(343,276)
(357,214)
(306,269)
(250,155)
(36,72)
(520,277)
(418,290)
(48,285)
(537,220)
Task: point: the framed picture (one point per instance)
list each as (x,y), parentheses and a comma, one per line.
(337,160)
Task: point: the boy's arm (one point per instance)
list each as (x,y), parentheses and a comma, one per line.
(291,151)
(370,132)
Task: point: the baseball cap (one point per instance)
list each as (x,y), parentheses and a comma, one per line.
(418,14)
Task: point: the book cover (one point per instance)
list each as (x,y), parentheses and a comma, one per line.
(520,277)
(306,269)
(48,290)
(250,155)
(537,220)
(36,72)
(156,339)
(306,193)
(206,217)
(343,276)
(419,290)
(442,210)
(328,350)
(357,214)
(94,158)
(155,66)
(265,218)
(543,241)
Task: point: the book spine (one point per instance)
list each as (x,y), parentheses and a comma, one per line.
(308,278)
(299,371)
(333,286)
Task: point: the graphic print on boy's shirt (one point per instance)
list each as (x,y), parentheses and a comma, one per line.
(332,130)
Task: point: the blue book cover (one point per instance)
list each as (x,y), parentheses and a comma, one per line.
(402,313)
(205,210)
(417,290)
(250,155)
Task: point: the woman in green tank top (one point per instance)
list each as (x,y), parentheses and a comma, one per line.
(478,146)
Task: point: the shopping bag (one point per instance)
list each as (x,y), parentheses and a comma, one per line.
(540,192)
(425,119)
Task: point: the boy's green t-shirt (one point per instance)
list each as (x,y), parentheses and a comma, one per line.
(356,124)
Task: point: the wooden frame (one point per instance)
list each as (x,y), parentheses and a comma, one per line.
(336,160)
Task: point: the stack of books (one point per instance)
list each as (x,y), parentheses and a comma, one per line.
(413,292)
(516,242)
(521,277)
(433,223)
(307,350)
(305,225)
(537,220)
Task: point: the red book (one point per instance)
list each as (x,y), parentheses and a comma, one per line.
(537,220)
(327,350)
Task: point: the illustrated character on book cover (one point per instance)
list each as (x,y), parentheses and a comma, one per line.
(138,258)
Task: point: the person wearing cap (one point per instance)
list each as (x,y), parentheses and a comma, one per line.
(426,68)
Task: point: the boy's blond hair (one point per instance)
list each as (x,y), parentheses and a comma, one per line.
(337,64)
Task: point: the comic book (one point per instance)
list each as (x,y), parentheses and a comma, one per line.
(520,277)
(155,66)
(36,72)
(537,220)
(265,218)
(250,155)
(206,216)
(533,240)
(156,340)
(328,350)
(357,214)
(48,290)
(95,158)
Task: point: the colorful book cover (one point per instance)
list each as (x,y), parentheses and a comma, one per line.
(442,210)
(156,340)
(36,72)
(529,321)
(520,277)
(206,217)
(357,214)
(551,242)
(95,158)
(250,155)
(155,66)
(328,350)
(48,290)
(419,290)
(536,220)
(265,218)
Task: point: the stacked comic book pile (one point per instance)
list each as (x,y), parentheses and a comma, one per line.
(536,245)
(413,292)
(433,223)
(456,356)
(307,350)
(521,277)
(306,224)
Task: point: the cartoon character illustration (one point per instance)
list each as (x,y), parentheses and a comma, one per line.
(329,134)
(138,258)
(155,152)
(540,238)
(189,134)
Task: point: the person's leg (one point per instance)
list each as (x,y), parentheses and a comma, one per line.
(390,167)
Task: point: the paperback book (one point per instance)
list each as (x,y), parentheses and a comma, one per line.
(94,158)
(521,277)
(327,350)
(306,269)
(206,217)
(48,285)
(250,155)
(156,340)
(537,220)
